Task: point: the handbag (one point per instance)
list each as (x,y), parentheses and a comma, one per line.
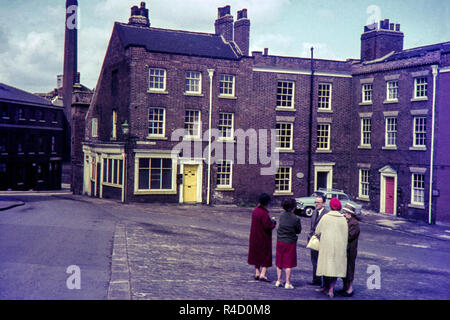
(313,243)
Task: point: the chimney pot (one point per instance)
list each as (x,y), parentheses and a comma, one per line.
(266,51)
(397,27)
(139,16)
(242,14)
(223,11)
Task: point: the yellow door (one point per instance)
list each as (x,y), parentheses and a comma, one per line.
(190,183)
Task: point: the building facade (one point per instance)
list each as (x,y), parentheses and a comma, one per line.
(31,133)
(180,116)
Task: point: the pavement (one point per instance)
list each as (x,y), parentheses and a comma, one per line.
(438,231)
(142,241)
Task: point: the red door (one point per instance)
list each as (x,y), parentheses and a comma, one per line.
(390,192)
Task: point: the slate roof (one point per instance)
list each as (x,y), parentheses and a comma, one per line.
(11,94)
(420,51)
(176,42)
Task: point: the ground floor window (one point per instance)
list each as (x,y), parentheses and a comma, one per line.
(418,189)
(224,174)
(155,174)
(283,179)
(112,171)
(363,183)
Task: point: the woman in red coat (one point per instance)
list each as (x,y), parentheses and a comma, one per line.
(260,244)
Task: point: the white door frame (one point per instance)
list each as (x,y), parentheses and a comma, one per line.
(199,164)
(324,167)
(387,171)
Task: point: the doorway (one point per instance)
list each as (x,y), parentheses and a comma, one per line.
(190,183)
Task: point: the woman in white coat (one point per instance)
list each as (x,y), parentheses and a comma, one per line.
(333,232)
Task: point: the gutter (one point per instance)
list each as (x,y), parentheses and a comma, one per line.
(308,181)
(430,200)
(211,74)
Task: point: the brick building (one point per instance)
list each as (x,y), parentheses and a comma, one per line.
(363,125)
(31,139)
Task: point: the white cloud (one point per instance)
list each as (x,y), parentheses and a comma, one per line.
(33,61)
(321,51)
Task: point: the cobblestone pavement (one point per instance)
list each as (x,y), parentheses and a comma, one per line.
(173,252)
(198,252)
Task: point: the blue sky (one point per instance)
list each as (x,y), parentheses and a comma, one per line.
(32,32)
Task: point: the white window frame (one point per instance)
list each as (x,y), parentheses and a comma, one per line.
(285,180)
(421,89)
(417,191)
(227,85)
(150,156)
(366,132)
(284,130)
(193,82)
(197,131)
(324,96)
(116,164)
(392,90)
(94,127)
(367,92)
(422,132)
(364,184)
(114,125)
(226,125)
(160,124)
(319,142)
(287,97)
(391,130)
(224,172)
(157,80)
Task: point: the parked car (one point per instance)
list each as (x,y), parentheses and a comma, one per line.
(306,206)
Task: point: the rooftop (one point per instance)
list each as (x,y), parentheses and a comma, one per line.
(177,42)
(11,94)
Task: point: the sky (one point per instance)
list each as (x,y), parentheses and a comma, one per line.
(32,31)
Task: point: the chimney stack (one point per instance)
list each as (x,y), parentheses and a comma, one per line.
(139,16)
(224,23)
(242,31)
(376,42)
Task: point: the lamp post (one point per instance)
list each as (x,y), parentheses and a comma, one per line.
(126,131)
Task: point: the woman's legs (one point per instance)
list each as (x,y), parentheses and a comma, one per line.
(263,272)
(257,272)
(279,274)
(332,283)
(288,275)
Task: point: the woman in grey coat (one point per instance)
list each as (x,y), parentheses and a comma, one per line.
(288,229)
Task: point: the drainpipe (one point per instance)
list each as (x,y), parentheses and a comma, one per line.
(211,74)
(308,181)
(430,201)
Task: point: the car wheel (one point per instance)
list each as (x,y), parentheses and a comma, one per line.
(309,211)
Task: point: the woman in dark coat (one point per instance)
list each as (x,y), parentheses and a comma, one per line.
(352,249)
(260,242)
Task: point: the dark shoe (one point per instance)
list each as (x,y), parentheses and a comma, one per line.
(256,277)
(314,283)
(346,294)
(264,279)
(341,291)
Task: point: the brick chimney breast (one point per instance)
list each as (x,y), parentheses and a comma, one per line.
(242,32)
(139,16)
(224,23)
(378,42)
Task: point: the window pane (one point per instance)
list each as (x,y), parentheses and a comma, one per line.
(143,178)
